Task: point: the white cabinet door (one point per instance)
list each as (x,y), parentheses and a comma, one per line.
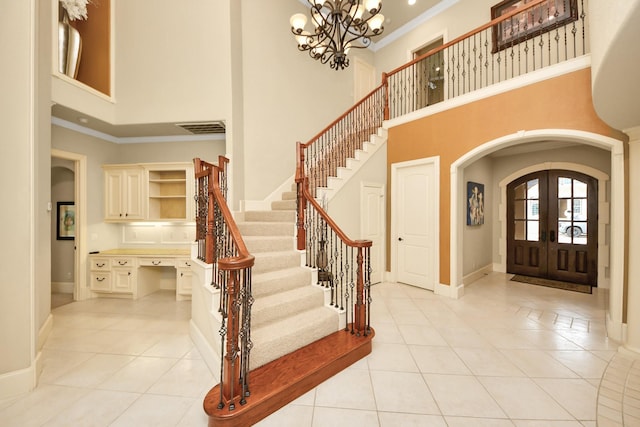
(123,194)
(133,194)
(123,280)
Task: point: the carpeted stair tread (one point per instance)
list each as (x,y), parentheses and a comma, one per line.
(268,243)
(274,307)
(266,228)
(282,337)
(280,280)
(289,195)
(270,216)
(283,205)
(270,261)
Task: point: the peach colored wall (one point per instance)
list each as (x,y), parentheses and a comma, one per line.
(559,103)
(95,62)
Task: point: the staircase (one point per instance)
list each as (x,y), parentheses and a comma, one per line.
(298,340)
(289,312)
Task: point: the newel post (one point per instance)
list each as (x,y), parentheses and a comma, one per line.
(301,203)
(231,389)
(385,83)
(360,309)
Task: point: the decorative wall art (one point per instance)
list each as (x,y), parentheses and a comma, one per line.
(475,203)
(533,22)
(66,221)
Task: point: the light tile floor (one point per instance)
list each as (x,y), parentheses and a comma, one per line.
(506,354)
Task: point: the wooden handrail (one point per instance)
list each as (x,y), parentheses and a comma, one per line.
(234,267)
(346,113)
(490,24)
(331,223)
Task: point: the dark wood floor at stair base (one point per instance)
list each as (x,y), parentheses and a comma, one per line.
(289,377)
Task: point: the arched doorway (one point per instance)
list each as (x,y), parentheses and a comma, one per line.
(614,206)
(552,227)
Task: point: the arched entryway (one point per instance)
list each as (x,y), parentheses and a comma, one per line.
(613,219)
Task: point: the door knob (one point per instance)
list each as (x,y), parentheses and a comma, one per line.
(400,239)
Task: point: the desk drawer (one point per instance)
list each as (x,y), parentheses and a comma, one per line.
(123,262)
(99,264)
(157,262)
(100,282)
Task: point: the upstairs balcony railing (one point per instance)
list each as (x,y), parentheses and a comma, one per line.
(520,40)
(220,244)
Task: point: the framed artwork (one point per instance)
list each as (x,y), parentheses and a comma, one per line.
(475,203)
(66,221)
(530,23)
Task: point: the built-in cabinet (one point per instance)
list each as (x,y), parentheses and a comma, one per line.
(149,192)
(124,193)
(139,273)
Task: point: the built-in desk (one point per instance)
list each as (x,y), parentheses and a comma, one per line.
(134,273)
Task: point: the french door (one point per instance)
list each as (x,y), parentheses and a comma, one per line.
(552,226)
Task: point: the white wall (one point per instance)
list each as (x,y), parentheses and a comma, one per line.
(451,23)
(288,96)
(476,238)
(171,64)
(344,207)
(26,220)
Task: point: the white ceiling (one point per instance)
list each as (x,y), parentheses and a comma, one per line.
(399,15)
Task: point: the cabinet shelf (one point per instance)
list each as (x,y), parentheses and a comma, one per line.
(163,191)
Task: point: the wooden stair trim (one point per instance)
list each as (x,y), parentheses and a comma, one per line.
(285,379)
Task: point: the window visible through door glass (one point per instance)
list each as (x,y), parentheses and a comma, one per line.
(572,211)
(527,211)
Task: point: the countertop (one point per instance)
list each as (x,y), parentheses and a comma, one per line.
(146,251)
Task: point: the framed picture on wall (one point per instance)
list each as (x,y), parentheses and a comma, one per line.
(537,20)
(475,203)
(66,221)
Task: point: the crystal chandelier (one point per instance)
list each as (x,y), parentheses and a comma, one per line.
(338,25)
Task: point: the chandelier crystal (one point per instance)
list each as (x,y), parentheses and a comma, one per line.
(337,27)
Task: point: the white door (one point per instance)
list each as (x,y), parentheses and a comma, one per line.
(364,79)
(415,213)
(372,226)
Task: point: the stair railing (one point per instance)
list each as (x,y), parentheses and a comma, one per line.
(220,244)
(536,35)
(343,265)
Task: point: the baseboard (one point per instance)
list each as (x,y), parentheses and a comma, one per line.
(615,330)
(62,287)
(17,382)
(44,332)
(207,352)
(478,274)
(454,292)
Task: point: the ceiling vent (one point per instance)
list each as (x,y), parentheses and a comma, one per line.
(203,128)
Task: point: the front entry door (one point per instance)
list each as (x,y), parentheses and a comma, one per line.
(552,226)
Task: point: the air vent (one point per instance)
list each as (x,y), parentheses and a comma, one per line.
(203,127)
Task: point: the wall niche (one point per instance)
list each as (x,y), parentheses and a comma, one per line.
(95,55)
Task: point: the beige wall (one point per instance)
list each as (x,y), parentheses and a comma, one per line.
(24,171)
(560,103)
(171,65)
(288,96)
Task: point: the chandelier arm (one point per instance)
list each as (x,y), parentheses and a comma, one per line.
(338,28)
